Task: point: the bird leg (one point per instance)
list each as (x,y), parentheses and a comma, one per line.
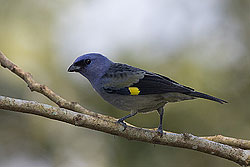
(160,111)
(120,121)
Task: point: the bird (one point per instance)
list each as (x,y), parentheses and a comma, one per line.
(133,89)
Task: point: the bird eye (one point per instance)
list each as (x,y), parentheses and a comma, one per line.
(87,61)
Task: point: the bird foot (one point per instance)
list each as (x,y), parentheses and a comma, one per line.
(160,131)
(122,123)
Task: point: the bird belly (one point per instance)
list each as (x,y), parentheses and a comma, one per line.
(140,103)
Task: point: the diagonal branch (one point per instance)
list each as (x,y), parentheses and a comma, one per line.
(43,89)
(188,141)
(73,113)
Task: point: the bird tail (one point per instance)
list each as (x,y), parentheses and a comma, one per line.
(205,96)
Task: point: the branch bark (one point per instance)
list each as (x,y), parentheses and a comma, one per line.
(189,141)
(244,144)
(72,113)
(44,90)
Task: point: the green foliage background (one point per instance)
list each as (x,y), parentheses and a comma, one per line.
(27,37)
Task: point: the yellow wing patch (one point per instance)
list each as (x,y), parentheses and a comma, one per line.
(134,90)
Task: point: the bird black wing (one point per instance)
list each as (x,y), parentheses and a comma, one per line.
(153,83)
(123,79)
(128,80)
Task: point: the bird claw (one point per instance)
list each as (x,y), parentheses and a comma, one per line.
(160,131)
(123,124)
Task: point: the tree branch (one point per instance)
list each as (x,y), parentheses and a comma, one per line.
(244,144)
(43,89)
(189,141)
(72,113)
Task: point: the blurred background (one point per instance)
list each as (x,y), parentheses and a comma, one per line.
(201,44)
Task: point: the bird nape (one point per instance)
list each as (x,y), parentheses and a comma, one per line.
(133,89)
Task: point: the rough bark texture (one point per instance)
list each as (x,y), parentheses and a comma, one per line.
(72,113)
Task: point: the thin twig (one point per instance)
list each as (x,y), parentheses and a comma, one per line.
(239,143)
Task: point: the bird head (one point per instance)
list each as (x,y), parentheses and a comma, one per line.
(91,65)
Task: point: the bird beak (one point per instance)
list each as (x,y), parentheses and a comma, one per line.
(74,68)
